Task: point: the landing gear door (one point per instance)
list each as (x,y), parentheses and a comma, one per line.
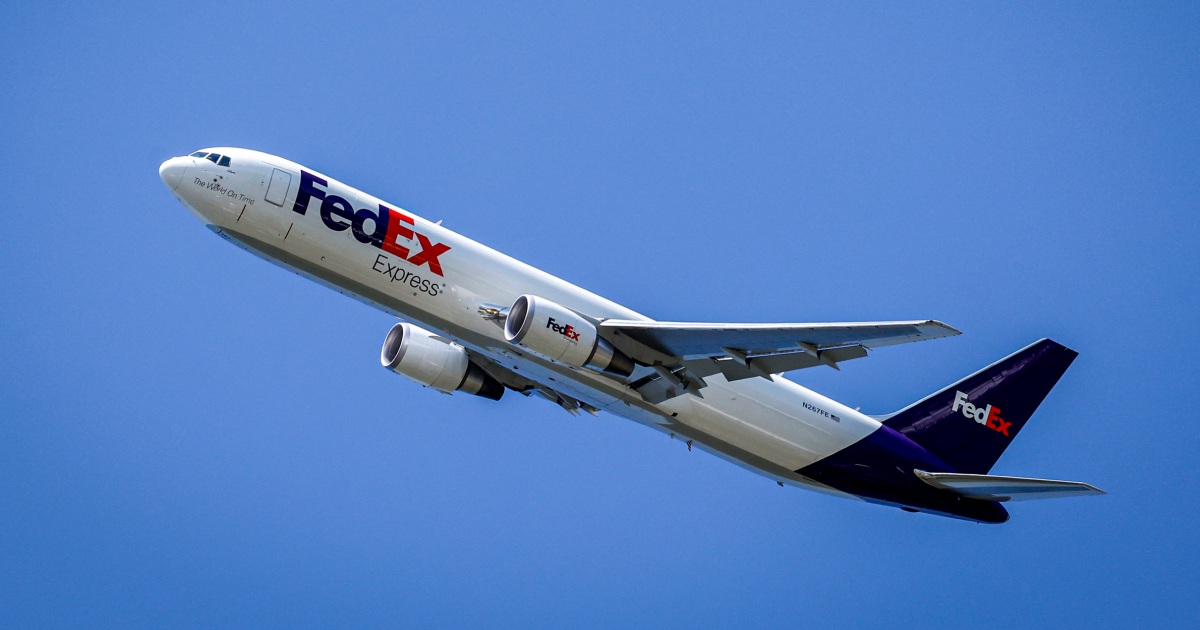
(277,190)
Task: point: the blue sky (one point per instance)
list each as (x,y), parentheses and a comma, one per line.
(192,437)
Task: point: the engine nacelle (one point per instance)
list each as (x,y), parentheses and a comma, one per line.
(434,362)
(560,334)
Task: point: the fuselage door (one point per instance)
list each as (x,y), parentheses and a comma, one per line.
(277,190)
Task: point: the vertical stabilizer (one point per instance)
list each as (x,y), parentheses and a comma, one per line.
(969,424)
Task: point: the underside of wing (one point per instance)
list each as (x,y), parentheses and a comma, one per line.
(774,348)
(997,488)
(529,387)
(683,353)
(693,340)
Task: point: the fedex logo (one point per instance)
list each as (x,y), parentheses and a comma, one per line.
(567,331)
(988,416)
(387,226)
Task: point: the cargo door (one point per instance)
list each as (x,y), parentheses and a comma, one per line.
(277,190)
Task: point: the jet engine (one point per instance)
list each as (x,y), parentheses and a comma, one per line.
(435,362)
(560,334)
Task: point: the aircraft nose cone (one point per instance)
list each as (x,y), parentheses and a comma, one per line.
(171,172)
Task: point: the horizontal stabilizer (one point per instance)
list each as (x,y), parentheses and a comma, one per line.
(997,488)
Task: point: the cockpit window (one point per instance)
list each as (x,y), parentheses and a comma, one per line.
(216,158)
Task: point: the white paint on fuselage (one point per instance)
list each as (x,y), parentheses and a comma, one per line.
(765,419)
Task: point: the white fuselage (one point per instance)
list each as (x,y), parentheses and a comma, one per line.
(772,427)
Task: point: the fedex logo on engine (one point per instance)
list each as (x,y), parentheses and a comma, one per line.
(988,416)
(567,331)
(387,226)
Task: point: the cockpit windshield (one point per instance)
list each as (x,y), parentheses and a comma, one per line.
(215,158)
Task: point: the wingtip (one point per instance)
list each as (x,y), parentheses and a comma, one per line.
(949,330)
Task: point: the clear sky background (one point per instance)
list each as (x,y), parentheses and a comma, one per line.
(193,437)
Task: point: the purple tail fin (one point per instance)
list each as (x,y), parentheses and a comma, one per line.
(970,423)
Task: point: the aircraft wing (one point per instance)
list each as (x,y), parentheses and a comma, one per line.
(997,488)
(763,349)
(681,354)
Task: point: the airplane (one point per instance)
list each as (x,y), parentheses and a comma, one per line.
(476,321)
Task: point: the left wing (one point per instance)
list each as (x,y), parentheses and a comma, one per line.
(652,342)
(682,354)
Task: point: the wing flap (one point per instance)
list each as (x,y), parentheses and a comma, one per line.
(734,370)
(998,488)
